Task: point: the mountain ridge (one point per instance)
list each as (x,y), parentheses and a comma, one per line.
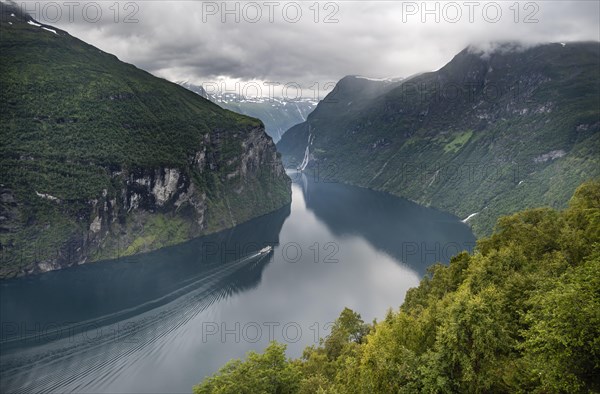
(483,134)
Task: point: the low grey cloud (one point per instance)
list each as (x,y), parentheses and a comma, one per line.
(271,41)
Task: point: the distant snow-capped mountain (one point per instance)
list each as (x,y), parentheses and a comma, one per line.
(277,114)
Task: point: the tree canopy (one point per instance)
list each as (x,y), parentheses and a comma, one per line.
(521,314)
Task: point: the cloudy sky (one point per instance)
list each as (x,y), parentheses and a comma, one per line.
(309,43)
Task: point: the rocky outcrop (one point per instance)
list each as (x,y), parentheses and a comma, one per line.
(119,216)
(165,185)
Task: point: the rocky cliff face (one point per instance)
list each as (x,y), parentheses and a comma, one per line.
(100,159)
(122,221)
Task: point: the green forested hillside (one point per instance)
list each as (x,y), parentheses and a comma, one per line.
(100,158)
(520,315)
(487,134)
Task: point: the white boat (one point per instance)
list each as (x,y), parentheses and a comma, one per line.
(265,250)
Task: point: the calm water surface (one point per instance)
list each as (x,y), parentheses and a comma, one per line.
(162,321)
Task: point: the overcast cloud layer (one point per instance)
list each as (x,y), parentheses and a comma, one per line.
(188,40)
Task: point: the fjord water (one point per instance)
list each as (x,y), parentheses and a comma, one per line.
(161,321)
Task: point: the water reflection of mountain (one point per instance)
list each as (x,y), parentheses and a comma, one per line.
(416,235)
(92,292)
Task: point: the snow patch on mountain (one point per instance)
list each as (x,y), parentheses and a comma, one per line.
(50,30)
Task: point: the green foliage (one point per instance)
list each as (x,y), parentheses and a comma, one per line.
(522,314)
(269,372)
(562,344)
(458,141)
(159,231)
(348,327)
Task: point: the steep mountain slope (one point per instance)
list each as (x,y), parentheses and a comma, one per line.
(350,96)
(278,115)
(488,133)
(101,159)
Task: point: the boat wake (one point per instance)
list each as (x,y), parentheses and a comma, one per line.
(74,362)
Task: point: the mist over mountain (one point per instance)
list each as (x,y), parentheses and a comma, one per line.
(491,132)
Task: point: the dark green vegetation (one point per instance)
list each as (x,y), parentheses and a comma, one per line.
(278,115)
(101,159)
(522,314)
(488,134)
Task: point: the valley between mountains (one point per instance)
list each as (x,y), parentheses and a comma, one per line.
(162,232)
(102,159)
